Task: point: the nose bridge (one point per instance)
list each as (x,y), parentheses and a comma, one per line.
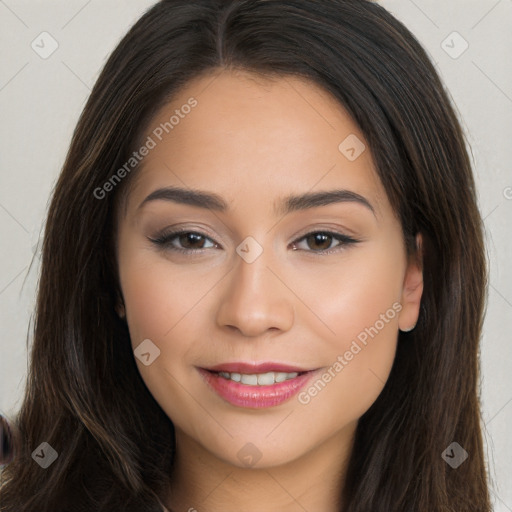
(255,300)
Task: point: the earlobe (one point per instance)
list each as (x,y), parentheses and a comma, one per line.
(412,290)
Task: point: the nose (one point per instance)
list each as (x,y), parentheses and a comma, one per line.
(255,299)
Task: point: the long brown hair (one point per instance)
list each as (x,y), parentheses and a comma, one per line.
(84,395)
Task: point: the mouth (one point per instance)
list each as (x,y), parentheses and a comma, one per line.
(256,385)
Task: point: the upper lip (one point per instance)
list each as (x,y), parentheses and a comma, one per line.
(251,368)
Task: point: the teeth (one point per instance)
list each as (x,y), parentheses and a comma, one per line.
(280,376)
(266,379)
(252,380)
(259,379)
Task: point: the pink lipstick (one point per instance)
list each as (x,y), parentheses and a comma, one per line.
(256,385)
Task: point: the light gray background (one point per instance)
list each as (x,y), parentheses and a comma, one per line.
(40,101)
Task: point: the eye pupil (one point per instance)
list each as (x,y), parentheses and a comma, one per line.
(319,238)
(185,238)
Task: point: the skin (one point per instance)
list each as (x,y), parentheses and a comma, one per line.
(253,141)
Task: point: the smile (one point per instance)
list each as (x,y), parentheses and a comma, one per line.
(255,390)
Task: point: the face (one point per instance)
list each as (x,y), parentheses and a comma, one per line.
(262,283)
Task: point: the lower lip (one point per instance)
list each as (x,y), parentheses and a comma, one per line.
(256,397)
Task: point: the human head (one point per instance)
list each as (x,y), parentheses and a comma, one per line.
(378,72)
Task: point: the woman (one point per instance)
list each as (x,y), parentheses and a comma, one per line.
(255,371)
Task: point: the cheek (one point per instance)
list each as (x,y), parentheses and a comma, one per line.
(359,302)
(159,296)
(162,306)
(166,304)
(353,293)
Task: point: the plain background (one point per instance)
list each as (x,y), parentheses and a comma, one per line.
(41,99)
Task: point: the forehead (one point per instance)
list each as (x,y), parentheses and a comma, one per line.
(252,140)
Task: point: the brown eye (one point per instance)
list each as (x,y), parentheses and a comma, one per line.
(320,242)
(183,241)
(191,240)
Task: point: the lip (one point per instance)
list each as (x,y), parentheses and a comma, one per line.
(251,368)
(255,397)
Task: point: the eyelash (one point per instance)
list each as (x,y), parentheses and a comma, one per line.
(165,238)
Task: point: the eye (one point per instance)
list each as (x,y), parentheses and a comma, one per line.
(324,240)
(191,241)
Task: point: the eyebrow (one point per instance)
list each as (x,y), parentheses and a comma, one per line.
(288,204)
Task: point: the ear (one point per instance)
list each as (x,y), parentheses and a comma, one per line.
(412,289)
